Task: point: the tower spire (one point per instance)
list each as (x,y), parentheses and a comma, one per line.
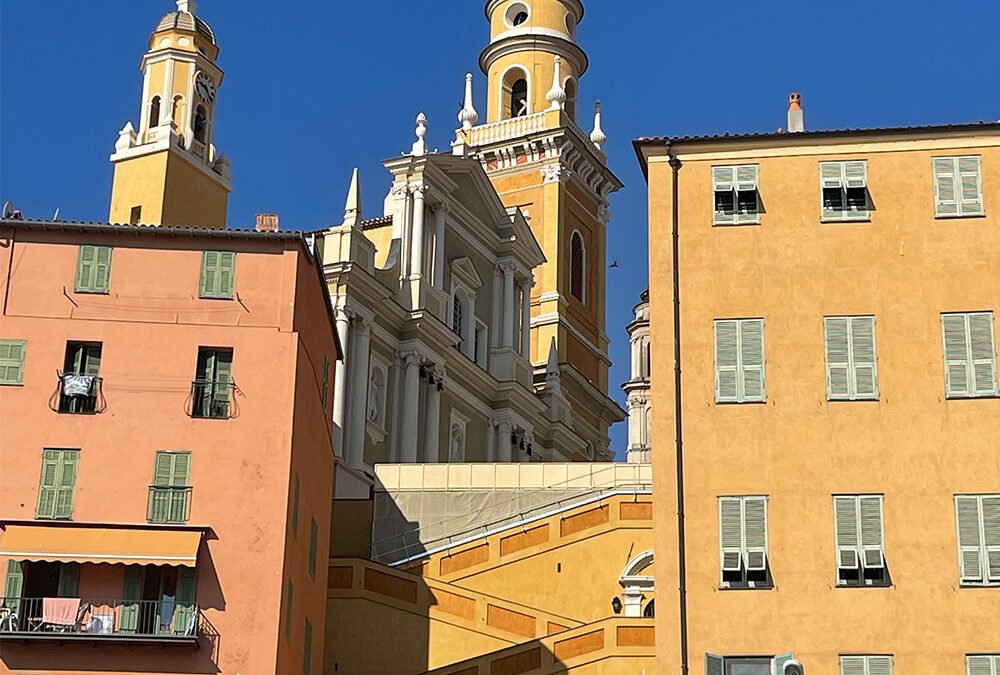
(557,95)
(352,209)
(597,136)
(468,115)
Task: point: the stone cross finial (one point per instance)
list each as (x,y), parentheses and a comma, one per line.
(468,115)
(597,136)
(187,6)
(556,95)
(420,145)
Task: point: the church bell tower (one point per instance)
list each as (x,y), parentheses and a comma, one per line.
(539,159)
(167,171)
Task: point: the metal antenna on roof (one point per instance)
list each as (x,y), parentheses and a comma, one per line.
(55,216)
(8,209)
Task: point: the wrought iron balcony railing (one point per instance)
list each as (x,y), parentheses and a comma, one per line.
(64,618)
(213,400)
(168,504)
(78,394)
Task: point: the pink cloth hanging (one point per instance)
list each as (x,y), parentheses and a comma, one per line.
(60,611)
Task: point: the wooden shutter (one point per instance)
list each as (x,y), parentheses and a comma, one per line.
(85,268)
(832,178)
(14,584)
(91,360)
(288,610)
(223,378)
(726,361)
(872,545)
(991,536)
(128,618)
(879,665)
(295,507)
(969,540)
(779,662)
(724,180)
(752,359)
(979,665)
(48,484)
(326,380)
(983,351)
(714,665)
(746,181)
(226,274)
(163,469)
(12,353)
(838,362)
(731,533)
(69,580)
(852,665)
(970,186)
(186,615)
(755,532)
(847,535)
(313,541)
(66,483)
(945,197)
(956,354)
(856,174)
(209,273)
(102,269)
(307,649)
(864,370)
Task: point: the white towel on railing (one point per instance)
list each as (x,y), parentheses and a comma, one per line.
(77,385)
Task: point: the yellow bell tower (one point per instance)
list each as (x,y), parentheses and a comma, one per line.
(168,172)
(540,160)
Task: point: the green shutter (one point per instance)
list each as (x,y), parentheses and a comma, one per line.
(864,370)
(838,360)
(218,269)
(227,273)
(746,181)
(724,180)
(979,665)
(969,539)
(954,328)
(85,265)
(128,620)
(163,469)
(945,197)
(12,353)
(714,665)
(223,379)
(847,535)
(779,662)
(726,361)
(872,542)
(852,665)
(69,580)
(879,665)
(313,540)
(288,611)
(991,536)
(13,586)
(307,649)
(752,359)
(209,274)
(295,507)
(731,533)
(983,351)
(970,186)
(66,484)
(186,615)
(755,532)
(49,483)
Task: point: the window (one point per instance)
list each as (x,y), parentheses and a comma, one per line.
(295,506)
(307,649)
(80,384)
(970,359)
(577,266)
(982,664)
(739,361)
(519,98)
(313,541)
(154,112)
(12,353)
(860,543)
(845,190)
(458,317)
(737,200)
(218,269)
(746,665)
(170,492)
(55,490)
(851,372)
(326,380)
(978,539)
(135,215)
(93,269)
(288,611)
(516,14)
(958,187)
(211,390)
(743,542)
(201,124)
(865,665)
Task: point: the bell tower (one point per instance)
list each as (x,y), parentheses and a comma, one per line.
(539,159)
(167,171)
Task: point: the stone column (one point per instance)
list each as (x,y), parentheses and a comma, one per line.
(359,392)
(340,383)
(439,219)
(417,242)
(508,304)
(633,602)
(504,450)
(432,421)
(409,405)
(526,318)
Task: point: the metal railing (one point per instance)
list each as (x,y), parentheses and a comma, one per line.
(78,394)
(98,618)
(168,504)
(210,399)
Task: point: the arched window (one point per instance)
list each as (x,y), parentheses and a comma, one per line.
(570,88)
(456,444)
(519,98)
(201,124)
(650,610)
(154,112)
(577,263)
(177,112)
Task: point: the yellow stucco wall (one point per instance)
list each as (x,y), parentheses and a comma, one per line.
(913,445)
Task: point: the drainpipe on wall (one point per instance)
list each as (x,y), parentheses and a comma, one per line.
(675,165)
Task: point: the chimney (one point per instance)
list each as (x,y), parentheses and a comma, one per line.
(267,222)
(796,120)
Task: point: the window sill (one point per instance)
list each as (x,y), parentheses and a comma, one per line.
(864,586)
(834,221)
(958,215)
(84,291)
(852,400)
(746,588)
(969,584)
(761,402)
(751,223)
(972,397)
(11,384)
(215,297)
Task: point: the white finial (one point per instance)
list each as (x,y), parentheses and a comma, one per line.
(552,377)
(468,115)
(420,145)
(597,136)
(352,209)
(556,95)
(187,6)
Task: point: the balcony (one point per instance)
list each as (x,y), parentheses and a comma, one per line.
(78,395)
(211,399)
(168,504)
(93,621)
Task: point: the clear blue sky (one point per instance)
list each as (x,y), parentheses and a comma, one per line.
(313,89)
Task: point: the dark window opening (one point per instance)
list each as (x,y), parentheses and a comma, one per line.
(154,112)
(211,392)
(833,199)
(650,611)
(577,261)
(747,201)
(80,381)
(863,576)
(201,124)
(857,199)
(519,98)
(725,202)
(135,216)
(744,578)
(520,18)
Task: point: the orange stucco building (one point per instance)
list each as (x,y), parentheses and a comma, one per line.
(829,434)
(167,453)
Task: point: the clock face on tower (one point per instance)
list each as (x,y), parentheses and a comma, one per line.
(205,88)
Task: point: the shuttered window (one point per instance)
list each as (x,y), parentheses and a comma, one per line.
(978,521)
(307,649)
(170,491)
(958,187)
(860,540)
(93,269)
(739,361)
(218,269)
(746,665)
(295,506)
(844,188)
(12,353)
(313,541)
(326,380)
(866,665)
(55,490)
(982,664)
(970,357)
(743,541)
(737,197)
(288,611)
(577,266)
(851,369)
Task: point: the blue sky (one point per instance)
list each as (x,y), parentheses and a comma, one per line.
(313,89)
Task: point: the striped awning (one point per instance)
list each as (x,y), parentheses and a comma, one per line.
(114,545)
